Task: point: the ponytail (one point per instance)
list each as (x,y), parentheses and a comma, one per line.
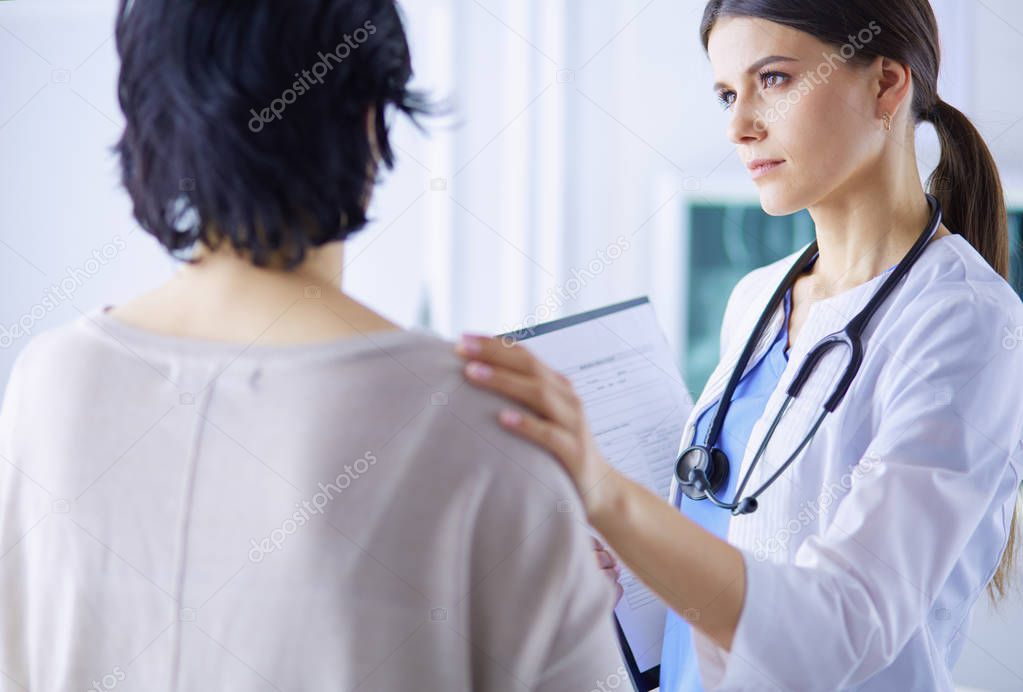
(1000,582)
(966,183)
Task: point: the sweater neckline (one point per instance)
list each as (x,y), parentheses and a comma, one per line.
(99,320)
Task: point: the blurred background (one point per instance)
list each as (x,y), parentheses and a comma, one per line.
(583,162)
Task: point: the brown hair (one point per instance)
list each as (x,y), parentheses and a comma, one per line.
(965,181)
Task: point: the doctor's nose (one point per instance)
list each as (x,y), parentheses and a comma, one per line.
(748,125)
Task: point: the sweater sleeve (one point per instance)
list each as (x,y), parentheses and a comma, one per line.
(540,607)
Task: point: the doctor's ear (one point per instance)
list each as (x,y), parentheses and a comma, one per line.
(892,82)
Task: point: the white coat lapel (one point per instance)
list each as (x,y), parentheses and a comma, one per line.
(796,489)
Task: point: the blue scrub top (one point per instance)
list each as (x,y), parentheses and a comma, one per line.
(679,668)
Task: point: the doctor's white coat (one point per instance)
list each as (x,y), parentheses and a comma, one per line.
(866,556)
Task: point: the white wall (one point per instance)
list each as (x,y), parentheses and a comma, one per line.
(575,122)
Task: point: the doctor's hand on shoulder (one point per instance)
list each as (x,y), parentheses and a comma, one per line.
(553,419)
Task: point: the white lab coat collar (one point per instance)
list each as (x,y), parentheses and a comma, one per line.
(825,316)
(748,301)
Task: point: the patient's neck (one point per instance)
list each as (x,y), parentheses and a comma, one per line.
(224,297)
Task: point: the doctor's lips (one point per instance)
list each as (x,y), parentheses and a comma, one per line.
(759,167)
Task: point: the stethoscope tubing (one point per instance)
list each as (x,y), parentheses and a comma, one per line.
(850,336)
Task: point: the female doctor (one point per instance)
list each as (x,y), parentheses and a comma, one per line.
(858,565)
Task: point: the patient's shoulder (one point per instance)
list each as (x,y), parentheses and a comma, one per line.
(462,416)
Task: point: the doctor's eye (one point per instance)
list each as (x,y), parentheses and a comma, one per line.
(770,79)
(726,98)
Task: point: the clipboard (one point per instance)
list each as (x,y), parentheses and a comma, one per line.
(642,680)
(604,339)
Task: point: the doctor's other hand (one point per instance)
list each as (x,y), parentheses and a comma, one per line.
(609,566)
(553,418)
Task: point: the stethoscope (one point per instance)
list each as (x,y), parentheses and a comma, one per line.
(702,470)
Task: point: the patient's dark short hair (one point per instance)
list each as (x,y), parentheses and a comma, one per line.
(247,120)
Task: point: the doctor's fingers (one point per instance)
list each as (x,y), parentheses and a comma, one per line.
(544,396)
(601,548)
(609,566)
(606,560)
(497,353)
(550,436)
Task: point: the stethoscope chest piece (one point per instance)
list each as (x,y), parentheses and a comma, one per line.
(698,463)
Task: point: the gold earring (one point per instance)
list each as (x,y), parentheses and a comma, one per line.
(886,118)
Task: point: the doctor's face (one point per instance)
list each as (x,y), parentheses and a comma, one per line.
(801,112)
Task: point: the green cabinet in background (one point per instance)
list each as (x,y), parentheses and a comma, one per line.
(726,241)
